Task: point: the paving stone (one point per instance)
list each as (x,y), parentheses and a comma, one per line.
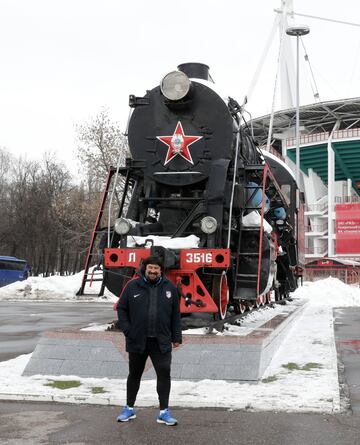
(234,358)
(60,341)
(185,355)
(239,373)
(97,344)
(43,366)
(235,346)
(190,347)
(80,368)
(40,351)
(104,354)
(65,352)
(199,372)
(115,370)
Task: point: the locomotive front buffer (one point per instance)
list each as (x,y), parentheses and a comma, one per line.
(189,269)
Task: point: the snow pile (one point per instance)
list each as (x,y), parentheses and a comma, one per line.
(188,242)
(253,219)
(329,292)
(53,288)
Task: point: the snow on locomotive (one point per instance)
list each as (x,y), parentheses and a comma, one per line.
(220,213)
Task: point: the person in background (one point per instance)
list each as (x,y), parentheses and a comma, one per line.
(149,316)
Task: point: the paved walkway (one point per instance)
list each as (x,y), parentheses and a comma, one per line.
(23,322)
(347,336)
(52,424)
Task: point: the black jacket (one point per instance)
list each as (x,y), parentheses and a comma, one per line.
(133,314)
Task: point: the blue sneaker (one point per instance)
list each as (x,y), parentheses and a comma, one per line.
(126,414)
(166,417)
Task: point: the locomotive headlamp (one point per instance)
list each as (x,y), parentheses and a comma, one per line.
(122,226)
(175,85)
(208,224)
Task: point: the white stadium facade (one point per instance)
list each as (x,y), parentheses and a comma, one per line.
(329,148)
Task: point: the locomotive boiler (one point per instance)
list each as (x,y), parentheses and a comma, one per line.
(219,211)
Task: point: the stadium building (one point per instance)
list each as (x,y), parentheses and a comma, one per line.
(329,147)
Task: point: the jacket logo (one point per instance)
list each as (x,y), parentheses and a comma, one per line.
(168,294)
(136,295)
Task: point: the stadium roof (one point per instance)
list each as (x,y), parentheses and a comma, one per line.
(316,118)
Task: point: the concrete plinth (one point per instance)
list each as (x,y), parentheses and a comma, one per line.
(216,357)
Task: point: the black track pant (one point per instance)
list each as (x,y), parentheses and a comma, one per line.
(161,363)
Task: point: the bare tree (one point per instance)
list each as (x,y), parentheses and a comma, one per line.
(46,218)
(101,146)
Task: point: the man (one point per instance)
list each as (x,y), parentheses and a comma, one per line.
(149,316)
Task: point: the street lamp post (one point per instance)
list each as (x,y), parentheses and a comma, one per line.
(297,31)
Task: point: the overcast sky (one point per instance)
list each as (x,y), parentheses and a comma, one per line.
(61,61)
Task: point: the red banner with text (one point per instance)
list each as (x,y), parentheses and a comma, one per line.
(347,228)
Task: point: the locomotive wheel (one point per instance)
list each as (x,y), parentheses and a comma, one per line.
(242,308)
(268,297)
(221,294)
(250,305)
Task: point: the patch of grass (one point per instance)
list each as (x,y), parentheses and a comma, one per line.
(291,366)
(64,384)
(269,379)
(310,366)
(307,367)
(98,390)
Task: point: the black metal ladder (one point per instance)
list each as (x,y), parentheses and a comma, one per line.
(246,278)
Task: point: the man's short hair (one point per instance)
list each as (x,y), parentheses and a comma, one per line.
(153,260)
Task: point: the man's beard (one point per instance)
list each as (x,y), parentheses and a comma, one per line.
(152,277)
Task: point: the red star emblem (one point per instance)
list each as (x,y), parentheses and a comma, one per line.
(178,144)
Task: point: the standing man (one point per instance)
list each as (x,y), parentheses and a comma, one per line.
(149,316)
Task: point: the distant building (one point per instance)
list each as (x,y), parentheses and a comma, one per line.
(330,172)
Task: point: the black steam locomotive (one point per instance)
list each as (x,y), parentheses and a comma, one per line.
(221,213)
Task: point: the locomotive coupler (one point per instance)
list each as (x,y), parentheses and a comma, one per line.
(197,303)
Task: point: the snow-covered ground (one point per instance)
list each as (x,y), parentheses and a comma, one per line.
(301,377)
(55,288)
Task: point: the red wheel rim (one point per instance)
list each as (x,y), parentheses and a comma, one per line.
(224,296)
(268,297)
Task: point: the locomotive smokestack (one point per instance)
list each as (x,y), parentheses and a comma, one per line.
(195,70)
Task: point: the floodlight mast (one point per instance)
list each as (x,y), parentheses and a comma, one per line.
(297,31)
